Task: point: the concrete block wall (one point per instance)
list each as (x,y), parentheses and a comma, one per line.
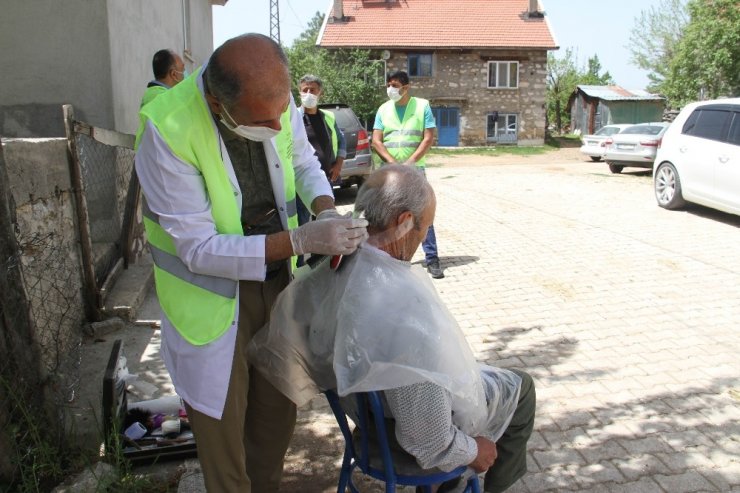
(39,178)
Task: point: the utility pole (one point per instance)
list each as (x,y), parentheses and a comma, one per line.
(275,21)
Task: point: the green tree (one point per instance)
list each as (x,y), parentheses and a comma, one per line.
(351,77)
(593,75)
(706,64)
(562,78)
(654,38)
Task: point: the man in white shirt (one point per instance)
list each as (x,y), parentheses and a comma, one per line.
(377,323)
(221,157)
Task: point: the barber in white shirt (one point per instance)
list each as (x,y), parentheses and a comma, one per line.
(221,157)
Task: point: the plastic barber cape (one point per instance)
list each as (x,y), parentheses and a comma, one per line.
(374,324)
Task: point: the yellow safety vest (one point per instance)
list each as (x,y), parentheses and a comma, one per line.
(151,93)
(201,307)
(401,138)
(330,122)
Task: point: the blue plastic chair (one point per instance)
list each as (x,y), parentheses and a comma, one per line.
(374,456)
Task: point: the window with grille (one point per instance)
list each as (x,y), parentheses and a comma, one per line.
(502,127)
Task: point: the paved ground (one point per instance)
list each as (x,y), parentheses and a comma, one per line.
(625,314)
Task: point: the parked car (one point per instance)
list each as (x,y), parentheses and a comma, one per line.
(358,164)
(699,159)
(594,145)
(634,146)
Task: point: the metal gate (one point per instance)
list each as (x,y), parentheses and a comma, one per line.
(108,194)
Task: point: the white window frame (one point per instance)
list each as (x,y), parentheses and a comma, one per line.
(378,78)
(498,132)
(503,63)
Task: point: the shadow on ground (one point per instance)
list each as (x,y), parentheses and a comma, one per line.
(616,441)
(715,215)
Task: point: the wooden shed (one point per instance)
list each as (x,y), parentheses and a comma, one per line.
(592,107)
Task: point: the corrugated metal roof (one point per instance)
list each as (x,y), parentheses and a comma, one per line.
(437,24)
(618,93)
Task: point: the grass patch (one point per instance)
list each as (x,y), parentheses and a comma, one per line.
(492,151)
(566,140)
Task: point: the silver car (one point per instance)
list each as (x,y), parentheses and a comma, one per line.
(358,163)
(594,145)
(634,146)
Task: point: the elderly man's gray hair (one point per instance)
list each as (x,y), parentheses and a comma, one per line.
(391,190)
(309,78)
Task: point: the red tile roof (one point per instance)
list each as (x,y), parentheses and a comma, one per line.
(437,24)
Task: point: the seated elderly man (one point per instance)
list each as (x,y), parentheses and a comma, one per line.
(377,323)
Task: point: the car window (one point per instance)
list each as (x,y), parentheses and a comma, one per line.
(607,131)
(734,137)
(644,129)
(688,126)
(711,124)
(345,119)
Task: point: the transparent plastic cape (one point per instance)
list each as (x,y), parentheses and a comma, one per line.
(374,324)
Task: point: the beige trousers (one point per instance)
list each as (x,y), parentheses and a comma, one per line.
(244,450)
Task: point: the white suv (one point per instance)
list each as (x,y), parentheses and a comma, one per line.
(699,158)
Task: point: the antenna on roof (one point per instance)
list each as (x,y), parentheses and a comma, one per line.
(275,21)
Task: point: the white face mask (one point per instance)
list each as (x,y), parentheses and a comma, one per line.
(257,134)
(394,93)
(309,100)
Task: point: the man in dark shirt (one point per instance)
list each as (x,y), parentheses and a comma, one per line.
(323,134)
(168,69)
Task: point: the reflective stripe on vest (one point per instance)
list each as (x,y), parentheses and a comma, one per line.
(168,261)
(284,144)
(402,138)
(201,307)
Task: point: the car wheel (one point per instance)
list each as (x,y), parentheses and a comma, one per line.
(596,158)
(668,187)
(615,168)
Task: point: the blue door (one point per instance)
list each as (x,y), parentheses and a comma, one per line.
(448,126)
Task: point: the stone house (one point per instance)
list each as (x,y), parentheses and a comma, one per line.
(482,64)
(95,55)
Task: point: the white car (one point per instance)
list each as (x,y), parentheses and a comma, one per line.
(594,145)
(699,159)
(634,146)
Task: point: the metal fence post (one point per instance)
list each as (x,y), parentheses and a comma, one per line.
(92,298)
(133,198)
